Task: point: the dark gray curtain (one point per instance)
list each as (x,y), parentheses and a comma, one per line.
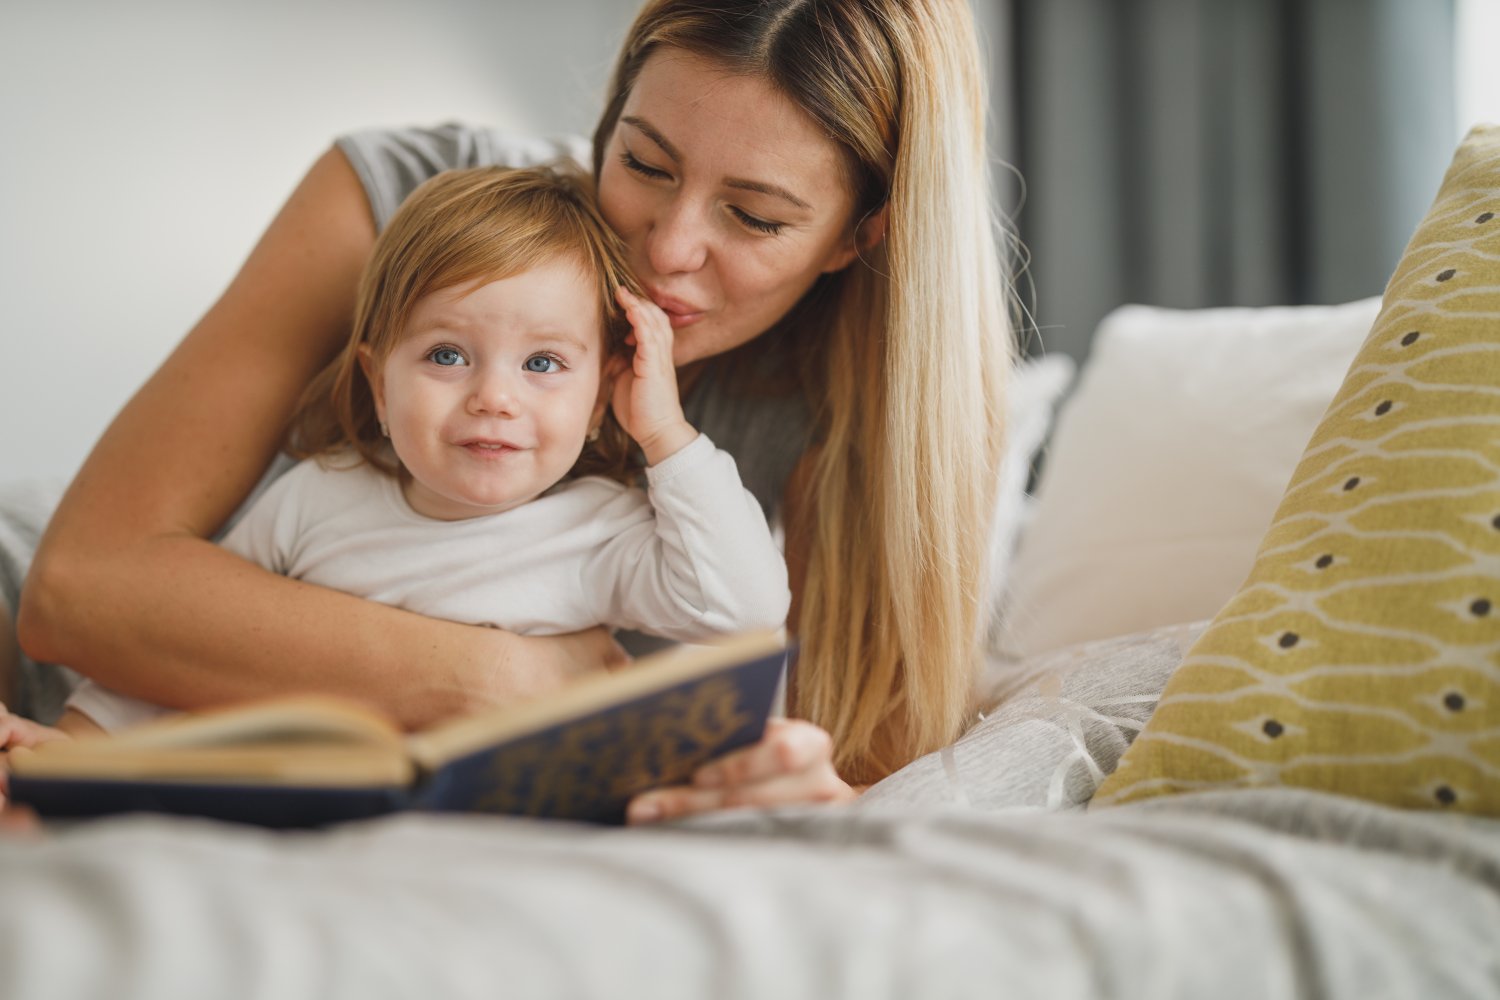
(1194,153)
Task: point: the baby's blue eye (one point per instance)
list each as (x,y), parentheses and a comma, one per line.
(446,356)
(541,363)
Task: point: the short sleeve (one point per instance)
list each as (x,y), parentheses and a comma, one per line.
(391,163)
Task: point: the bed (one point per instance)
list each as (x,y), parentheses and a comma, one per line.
(993,866)
(973,872)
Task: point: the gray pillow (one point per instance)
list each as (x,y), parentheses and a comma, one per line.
(39,689)
(1055,727)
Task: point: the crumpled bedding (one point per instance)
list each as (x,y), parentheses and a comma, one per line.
(976,871)
(1248,894)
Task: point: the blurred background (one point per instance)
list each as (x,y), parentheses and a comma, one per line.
(1181,153)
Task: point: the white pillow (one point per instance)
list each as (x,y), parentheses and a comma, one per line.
(1036,385)
(1167,465)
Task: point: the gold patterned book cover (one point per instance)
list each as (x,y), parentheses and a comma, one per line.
(312,760)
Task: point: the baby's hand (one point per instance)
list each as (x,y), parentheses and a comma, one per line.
(645,393)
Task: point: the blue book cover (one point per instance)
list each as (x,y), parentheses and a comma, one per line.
(580,754)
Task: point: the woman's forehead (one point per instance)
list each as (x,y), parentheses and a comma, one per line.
(737,124)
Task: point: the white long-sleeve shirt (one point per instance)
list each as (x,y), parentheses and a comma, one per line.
(688,558)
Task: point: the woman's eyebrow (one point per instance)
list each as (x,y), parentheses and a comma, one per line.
(759,187)
(649,130)
(774,190)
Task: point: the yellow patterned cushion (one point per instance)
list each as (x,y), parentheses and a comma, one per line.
(1362,654)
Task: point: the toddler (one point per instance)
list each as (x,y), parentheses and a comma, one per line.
(469,454)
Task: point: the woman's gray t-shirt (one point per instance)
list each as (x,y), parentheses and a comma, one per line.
(766,435)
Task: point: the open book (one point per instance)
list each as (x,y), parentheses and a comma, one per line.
(309,760)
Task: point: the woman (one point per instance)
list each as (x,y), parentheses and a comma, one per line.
(803,187)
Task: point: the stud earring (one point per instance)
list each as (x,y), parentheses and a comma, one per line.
(593,435)
(384,430)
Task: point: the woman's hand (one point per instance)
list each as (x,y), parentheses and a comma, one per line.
(18,731)
(523,668)
(792,764)
(645,397)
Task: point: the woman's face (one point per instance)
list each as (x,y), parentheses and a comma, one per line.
(731,200)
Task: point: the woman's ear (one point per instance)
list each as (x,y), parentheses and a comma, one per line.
(377,384)
(867,236)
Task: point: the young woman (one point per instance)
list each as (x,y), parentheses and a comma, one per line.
(803,188)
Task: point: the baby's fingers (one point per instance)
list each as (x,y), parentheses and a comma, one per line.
(642,312)
(651,329)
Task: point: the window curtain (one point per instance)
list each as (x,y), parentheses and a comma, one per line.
(1192,153)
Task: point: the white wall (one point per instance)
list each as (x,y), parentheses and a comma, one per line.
(147,144)
(1476,70)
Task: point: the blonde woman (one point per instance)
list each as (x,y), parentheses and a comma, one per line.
(802,187)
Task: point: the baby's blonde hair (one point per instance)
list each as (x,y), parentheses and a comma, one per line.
(463,227)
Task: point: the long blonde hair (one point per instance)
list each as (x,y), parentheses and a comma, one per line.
(463,226)
(912,347)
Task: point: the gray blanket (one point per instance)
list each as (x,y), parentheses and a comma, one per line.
(1255,895)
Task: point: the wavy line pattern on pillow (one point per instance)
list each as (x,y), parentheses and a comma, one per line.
(1362,655)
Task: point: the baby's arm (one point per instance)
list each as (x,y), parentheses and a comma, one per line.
(695,560)
(646,402)
(705,564)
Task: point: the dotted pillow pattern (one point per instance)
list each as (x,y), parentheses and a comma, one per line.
(1362,654)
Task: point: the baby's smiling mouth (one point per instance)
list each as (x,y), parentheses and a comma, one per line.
(488,446)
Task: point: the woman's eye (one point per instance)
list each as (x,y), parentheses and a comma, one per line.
(542,364)
(447,357)
(757,224)
(637,167)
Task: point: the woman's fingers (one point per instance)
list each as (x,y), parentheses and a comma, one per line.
(789,746)
(17,731)
(676,801)
(791,765)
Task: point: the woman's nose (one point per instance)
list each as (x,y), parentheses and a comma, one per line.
(678,238)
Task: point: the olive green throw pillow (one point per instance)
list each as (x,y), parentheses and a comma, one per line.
(1362,654)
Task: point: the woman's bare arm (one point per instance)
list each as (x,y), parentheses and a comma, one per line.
(124,586)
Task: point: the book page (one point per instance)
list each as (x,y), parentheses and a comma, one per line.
(306,740)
